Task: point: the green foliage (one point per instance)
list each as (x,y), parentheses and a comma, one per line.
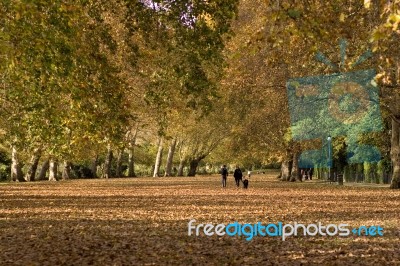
(347,174)
(359,172)
(5,166)
(367,172)
(383,169)
(75,76)
(74,70)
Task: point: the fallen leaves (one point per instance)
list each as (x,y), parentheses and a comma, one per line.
(144,221)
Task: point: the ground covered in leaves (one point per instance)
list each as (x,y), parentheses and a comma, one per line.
(144,221)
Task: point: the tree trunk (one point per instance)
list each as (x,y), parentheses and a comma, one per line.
(131,163)
(286,167)
(53,170)
(93,167)
(107,163)
(131,157)
(181,166)
(170,158)
(30,175)
(395,154)
(119,163)
(285,171)
(66,174)
(43,170)
(16,169)
(193,167)
(295,175)
(158,158)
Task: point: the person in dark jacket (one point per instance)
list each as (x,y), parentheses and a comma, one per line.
(238,176)
(310,173)
(224,174)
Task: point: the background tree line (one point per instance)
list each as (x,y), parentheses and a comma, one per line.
(175,84)
(89,80)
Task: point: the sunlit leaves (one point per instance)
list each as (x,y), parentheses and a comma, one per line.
(144,221)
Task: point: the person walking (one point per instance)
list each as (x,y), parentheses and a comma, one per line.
(238,176)
(224,174)
(310,173)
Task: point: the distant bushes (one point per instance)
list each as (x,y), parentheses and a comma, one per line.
(5,166)
(378,173)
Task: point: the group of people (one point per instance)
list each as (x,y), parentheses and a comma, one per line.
(237,174)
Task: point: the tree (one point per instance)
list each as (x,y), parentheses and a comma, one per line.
(30,175)
(385,37)
(283,37)
(170,157)
(157,165)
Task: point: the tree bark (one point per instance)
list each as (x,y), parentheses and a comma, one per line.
(16,169)
(295,175)
(395,154)
(181,166)
(286,166)
(43,170)
(53,170)
(131,156)
(158,158)
(285,171)
(93,167)
(170,158)
(119,162)
(131,163)
(30,175)
(107,163)
(194,163)
(66,174)
(193,167)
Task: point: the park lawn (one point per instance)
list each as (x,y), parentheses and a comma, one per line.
(145,221)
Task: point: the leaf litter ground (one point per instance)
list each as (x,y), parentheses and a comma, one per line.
(144,221)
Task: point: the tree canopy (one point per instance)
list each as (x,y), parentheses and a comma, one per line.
(213,79)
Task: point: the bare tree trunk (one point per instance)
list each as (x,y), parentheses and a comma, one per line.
(119,163)
(66,174)
(395,154)
(158,158)
(170,158)
(181,166)
(285,173)
(295,175)
(16,169)
(194,163)
(43,170)
(53,170)
(193,167)
(30,175)
(131,157)
(286,166)
(93,167)
(131,163)
(107,163)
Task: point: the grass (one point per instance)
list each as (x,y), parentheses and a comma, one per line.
(145,221)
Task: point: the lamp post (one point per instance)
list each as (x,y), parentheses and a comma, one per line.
(329,157)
